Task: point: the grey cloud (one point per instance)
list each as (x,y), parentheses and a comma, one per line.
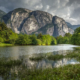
(67,9)
(76,13)
(71,2)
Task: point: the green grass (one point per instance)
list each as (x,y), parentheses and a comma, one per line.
(69,72)
(36,58)
(55,57)
(6,66)
(77,48)
(75,55)
(5,44)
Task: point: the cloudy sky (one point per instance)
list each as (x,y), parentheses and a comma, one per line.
(67,9)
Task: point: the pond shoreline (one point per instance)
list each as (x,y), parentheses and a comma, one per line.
(15,69)
(40,62)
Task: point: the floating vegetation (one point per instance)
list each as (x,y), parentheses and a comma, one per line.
(55,57)
(15,69)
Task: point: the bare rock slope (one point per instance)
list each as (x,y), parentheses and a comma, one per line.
(26,21)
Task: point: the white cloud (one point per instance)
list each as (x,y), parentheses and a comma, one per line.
(32,2)
(38,7)
(47,7)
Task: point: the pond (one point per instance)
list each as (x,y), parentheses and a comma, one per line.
(25,52)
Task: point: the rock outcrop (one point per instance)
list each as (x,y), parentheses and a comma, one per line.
(26,21)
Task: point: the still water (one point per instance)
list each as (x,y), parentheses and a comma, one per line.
(18,52)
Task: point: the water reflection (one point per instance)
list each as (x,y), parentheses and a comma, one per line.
(24,52)
(1,78)
(49,63)
(17,51)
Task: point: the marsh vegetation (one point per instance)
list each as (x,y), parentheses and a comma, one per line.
(16,69)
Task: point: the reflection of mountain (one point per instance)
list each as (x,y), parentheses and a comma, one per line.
(49,63)
(24,52)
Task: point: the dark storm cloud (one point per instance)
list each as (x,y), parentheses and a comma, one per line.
(67,9)
(10,4)
(71,2)
(76,13)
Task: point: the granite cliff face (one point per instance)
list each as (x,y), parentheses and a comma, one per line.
(26,21)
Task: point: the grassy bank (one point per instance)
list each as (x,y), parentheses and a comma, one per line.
(70,72)
(7,68)
(5,44)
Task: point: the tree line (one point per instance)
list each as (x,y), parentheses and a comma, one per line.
(8,36)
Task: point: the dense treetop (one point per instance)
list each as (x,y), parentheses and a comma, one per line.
(8,36)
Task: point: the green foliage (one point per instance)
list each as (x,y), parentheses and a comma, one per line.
(23,40)
(36,58)
(59,39)
(6,66)
(53,41)
(5,44)
(55,57)
(3,26)
(64,40)
(13,69)
(13,38)
(8,36)
(76,37)
(33,39)
(48,39)
(68,35)
(43,39)
(1,39)
(39,36)
(77,30)
(38,42)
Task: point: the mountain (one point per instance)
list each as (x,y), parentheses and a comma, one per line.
(72,26)
(2,13)
(26,21)
(75,26)
(55,28)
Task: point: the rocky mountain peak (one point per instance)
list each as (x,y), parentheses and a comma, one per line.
(21,10)
(57,19)
(25,21)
